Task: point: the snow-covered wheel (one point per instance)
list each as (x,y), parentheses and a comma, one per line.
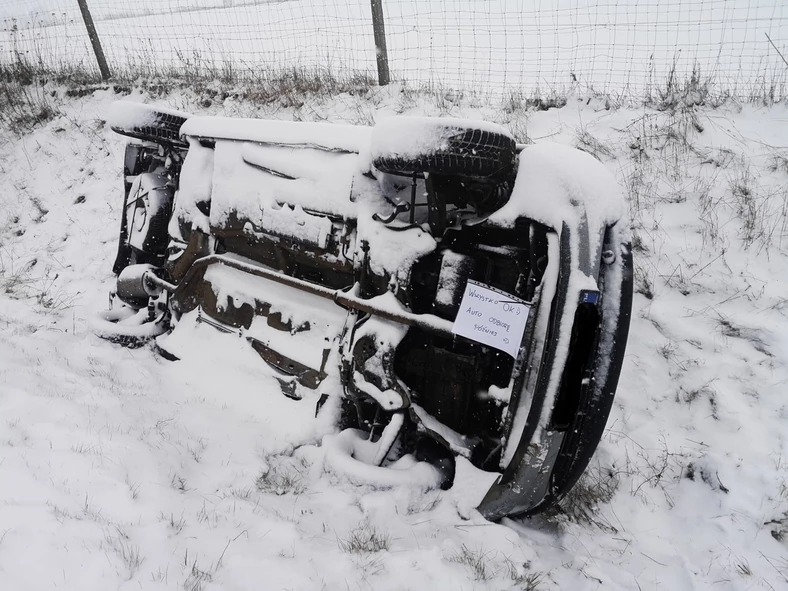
(143,122)
(415,145)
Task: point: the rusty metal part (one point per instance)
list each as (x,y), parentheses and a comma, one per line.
(398,209)
(304,375)
(426,322)
(217,325)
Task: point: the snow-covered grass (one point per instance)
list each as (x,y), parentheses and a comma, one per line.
(120,469)
(627,47)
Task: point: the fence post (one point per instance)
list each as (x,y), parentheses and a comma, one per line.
(94,39)
(380,42)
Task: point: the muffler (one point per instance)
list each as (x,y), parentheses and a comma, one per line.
(137,283)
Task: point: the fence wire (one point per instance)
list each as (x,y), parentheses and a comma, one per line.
(627,47)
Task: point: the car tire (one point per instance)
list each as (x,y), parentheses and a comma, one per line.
(148,123)
(461,150)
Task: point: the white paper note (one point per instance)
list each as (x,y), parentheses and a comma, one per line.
(492,317)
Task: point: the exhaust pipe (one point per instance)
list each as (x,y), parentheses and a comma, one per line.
(137,282)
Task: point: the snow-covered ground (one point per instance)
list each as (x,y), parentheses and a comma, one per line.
(504,46)
(121,470)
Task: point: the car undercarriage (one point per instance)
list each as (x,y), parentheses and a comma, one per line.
(438,290)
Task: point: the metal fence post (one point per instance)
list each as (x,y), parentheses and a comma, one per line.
(380,42)
(94,39)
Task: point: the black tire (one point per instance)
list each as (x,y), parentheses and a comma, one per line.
(143,122)
(469,152)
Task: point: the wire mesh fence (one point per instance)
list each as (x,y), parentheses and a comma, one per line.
(498,46)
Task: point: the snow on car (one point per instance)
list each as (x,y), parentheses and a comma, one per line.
(438,290)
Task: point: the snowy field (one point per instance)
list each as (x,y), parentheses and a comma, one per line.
(120,470)
(502,46)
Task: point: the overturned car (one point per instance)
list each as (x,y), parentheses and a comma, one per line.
(445,291)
